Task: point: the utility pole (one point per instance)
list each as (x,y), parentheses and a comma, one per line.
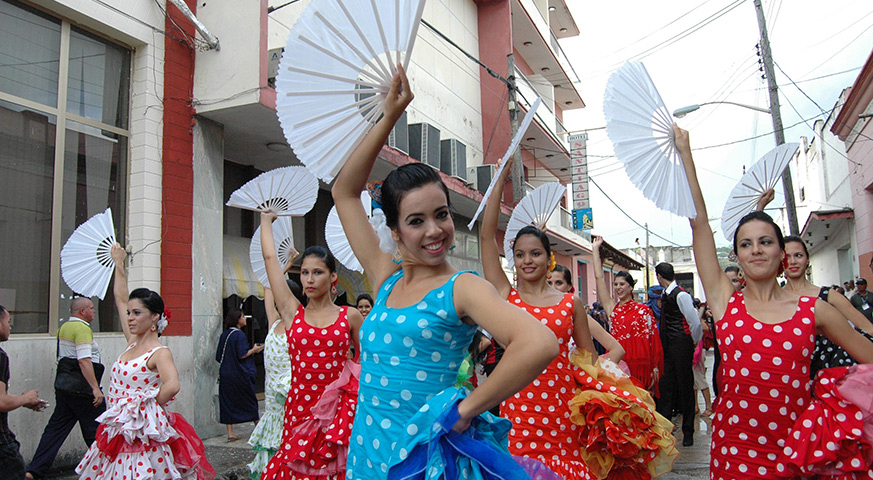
(647,258)
(517,163)
(770,73)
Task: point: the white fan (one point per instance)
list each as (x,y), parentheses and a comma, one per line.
(534,209)
(522,129)
(287,191)
(336,69)
(641,130)
(336,238)
(283,238)
(86,260)
(762,176)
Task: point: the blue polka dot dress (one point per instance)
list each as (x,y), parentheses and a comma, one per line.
(409,355)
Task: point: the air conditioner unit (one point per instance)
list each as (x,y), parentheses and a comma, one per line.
(453,157)
(398,139)
(424,144)
(480,176)
(273,58)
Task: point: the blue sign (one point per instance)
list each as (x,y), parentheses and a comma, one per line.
(583,219)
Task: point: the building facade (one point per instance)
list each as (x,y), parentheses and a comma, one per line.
(122,104)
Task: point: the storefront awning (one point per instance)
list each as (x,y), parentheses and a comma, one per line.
(239,279)
(823,225)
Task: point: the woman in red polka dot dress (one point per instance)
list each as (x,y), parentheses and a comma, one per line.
(766,337)
(632,324)
(320,407)
(137,438)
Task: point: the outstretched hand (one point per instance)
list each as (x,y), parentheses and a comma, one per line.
(596,242)
(118,254)
(765,199)
(683,143)
(399,96)
(268,214)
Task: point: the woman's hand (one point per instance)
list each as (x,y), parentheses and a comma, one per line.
(765,199)
(596,242)
(463,423)
(683,142)
(399,96)
(294,255)
(269,215)
(118,254)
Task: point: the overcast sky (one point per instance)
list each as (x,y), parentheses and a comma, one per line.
(698,51)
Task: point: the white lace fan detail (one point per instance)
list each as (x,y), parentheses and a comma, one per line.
(286,190)
(641,130)
(86,260)
(534,209)
(762,176)
(283,239)
(337,67)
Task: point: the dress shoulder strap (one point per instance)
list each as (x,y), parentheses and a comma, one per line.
(151,352)
(387,286)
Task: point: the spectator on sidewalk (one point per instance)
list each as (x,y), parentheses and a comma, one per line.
(78,398)
(863,299)
(11,462)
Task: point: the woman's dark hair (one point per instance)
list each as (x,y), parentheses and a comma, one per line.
(566,272)
(320,252)
(763,217)
(403,179)
(232,318)
(2,310)
(732,268)
(795,238)
(150,299)
(627,277)
(364,296)
(536,232)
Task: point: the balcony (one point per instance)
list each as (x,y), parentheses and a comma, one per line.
(538,45)
(546,138)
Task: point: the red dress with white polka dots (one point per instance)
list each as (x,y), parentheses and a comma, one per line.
(137,438)
(540,416)
(633,326)
(320,407)
(764,380)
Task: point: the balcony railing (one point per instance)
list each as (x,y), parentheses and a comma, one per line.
(542,25)
(528,93)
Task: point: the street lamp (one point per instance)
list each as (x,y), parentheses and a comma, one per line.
(681,112)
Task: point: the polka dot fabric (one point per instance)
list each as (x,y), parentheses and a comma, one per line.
(408,355)
(267,435)
(541,426)
(135,438)
(764,381)
(633,327)
(828,437)
(318,356)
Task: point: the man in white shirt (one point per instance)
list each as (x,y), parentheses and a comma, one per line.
(680,330)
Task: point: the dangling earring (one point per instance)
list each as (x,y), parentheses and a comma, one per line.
(808,270)
(397,257)
(732,256)
(154,328)
(333,289)
(784,265)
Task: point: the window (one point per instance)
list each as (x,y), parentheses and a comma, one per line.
(64,102)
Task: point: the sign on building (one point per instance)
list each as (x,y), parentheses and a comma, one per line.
(583,218)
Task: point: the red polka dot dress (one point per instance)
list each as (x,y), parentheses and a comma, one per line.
(764,381)
(137,438)
(320,406)
(541,426)
(633,326)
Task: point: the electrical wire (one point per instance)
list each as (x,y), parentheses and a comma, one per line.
(631,218)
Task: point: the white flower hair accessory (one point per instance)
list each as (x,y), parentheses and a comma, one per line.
(380,224)
(163,322)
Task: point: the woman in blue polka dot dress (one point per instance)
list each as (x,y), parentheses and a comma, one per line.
(416,336)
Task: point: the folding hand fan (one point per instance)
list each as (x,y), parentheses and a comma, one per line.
(336,238)
(337,67)
(534,209)
(287,191)
(86,260)
(641,130)
(283,238)
(762,176)
(522,129)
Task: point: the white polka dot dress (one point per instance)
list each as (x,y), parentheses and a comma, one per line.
(764,381)
(408,356)
(267,435)
(311,449)
(136,438)
(540,416)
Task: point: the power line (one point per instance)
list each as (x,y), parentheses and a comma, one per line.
(628,216)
